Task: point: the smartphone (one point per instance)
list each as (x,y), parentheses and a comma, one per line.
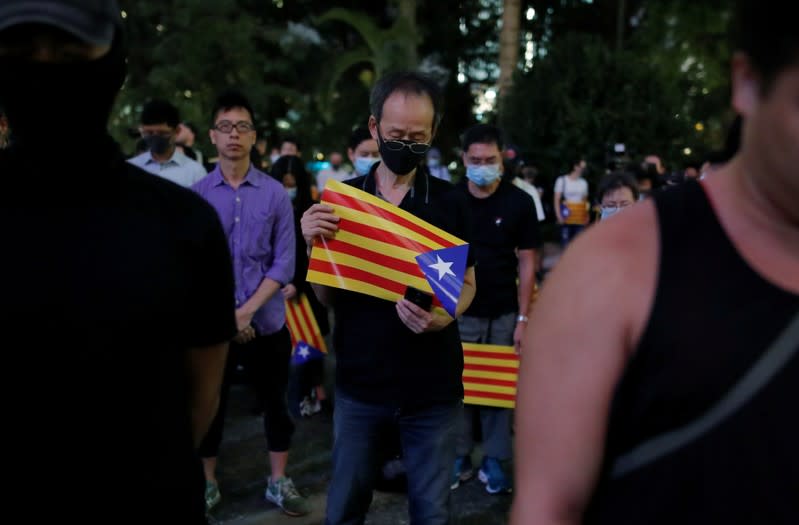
(421,299)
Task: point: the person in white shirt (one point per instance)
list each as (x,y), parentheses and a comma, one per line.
(571,202)
(159,123)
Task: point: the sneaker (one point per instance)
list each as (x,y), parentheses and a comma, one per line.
(462,471)
(212,495)
(283,494)
(306,407)
(494,477)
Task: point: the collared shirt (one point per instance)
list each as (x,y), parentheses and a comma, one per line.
(379,360)
(179,168)
(259,224)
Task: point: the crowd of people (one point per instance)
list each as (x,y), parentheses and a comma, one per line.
(658,366)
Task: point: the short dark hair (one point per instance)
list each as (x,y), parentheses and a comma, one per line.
(616,180)
(359,135)
(231,99)
(406,82)
(767,33)
(291,140)
(158,111)
(482,134)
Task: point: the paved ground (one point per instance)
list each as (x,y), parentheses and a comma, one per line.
(244,466)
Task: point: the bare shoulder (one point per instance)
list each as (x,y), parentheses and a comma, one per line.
(609,273)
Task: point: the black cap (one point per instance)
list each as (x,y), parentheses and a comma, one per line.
(93,21)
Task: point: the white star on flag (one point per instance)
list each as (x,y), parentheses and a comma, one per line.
(443,268)
(303,351)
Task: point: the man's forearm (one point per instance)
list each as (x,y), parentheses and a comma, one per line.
(467,292)
(526,279)
(265,291)
(206,367)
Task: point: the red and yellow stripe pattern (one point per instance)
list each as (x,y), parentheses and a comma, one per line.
(490,374)
(302,324)
(375,248)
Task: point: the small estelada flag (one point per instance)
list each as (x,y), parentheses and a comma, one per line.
(306,337)
(490,374)
(381,250)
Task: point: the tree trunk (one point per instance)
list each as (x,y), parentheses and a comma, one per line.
(407,11)
(509,44)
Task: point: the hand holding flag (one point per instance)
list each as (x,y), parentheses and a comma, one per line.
(365,244)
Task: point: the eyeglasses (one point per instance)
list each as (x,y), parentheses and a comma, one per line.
(420,148)
(226,126)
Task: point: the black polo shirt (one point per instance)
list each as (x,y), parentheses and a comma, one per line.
(378,359)
(110,276)
(501,223)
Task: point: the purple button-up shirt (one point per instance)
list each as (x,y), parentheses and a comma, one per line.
(259,223)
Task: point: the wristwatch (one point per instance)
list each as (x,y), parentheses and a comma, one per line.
(522,318)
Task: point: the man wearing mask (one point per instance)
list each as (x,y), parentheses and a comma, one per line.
(120,295)
(363,151)
(505,238)
(397,364)
(158,128)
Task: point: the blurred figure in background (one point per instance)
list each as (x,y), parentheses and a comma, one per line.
(571,202)
(435,166)
(289,171)
(336,171)
(616,192)
(363,151)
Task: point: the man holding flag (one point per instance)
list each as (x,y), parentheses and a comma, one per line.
(397,362)
(505,230)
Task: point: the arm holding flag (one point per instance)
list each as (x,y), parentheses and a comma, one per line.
(319,221)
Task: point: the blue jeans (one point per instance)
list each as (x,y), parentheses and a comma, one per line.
(428,448)
(568,232)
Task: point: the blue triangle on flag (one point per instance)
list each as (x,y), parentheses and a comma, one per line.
(444,270)
(304,353)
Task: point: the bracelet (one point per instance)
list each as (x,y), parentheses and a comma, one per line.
(522,319)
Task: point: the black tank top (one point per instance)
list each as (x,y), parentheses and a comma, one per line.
(712,318)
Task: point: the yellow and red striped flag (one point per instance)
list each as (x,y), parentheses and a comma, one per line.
(490,373)
(302,324)
(380,250)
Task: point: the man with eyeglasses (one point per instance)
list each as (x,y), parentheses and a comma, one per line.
(257,215)
(158,128)
(398,365)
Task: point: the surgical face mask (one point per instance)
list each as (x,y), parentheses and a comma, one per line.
(292,192)
(273,158)
(483,175)
(158,144)
(364,164)
(610,211)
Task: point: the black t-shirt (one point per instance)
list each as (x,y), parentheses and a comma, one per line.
(110,275)
(501,223)
(378,359)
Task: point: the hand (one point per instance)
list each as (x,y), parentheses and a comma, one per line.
(243,319)
(289,292)
(318,221)
(418,320)
(518,336)
(245,336)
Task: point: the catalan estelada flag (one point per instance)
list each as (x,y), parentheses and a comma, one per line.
(490,373)
(303,327)
(380,250)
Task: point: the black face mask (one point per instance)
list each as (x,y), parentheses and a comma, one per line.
(399,162)
(158,144)
(76,98)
